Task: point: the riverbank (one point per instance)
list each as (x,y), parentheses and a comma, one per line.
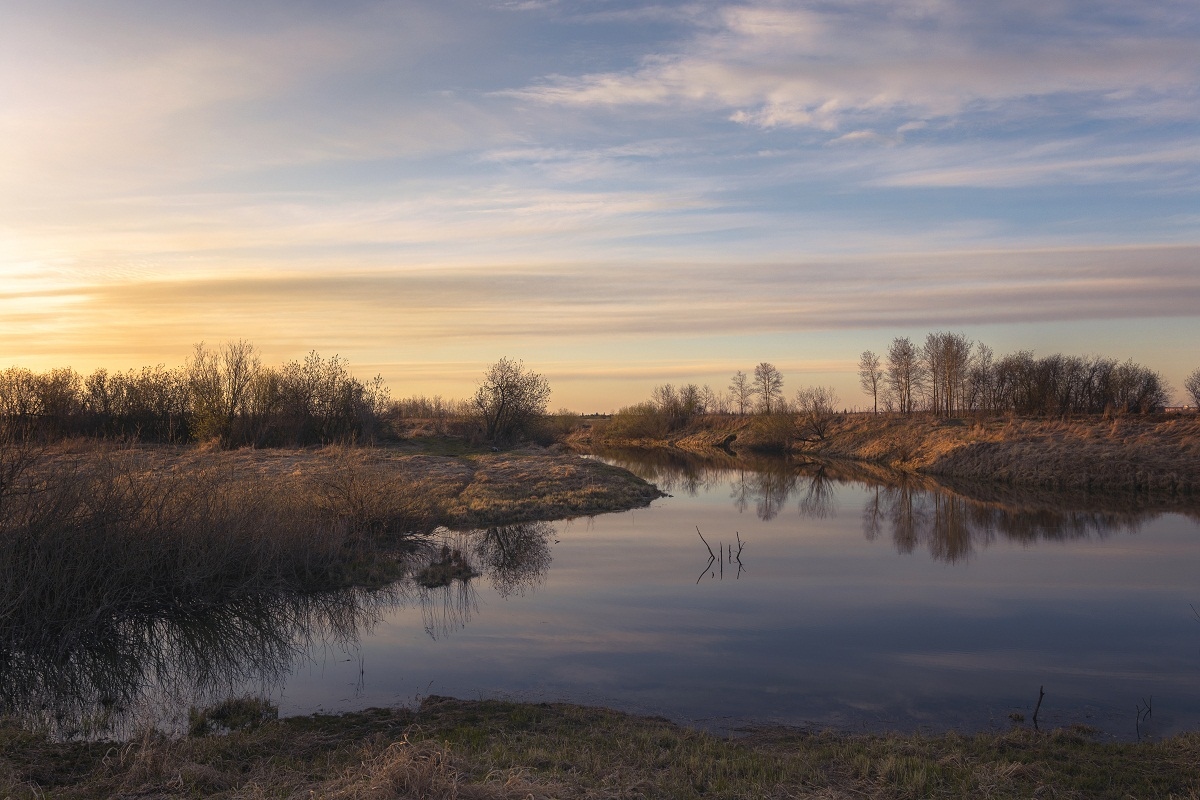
(489,749)
(1127,453)
(97,537)
(409,488)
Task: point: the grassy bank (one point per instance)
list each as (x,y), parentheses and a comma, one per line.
(120,561)
(91,533)
(490,749)
(383,490)
(1121,453)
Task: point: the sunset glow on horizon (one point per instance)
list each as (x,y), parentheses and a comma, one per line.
(620,194)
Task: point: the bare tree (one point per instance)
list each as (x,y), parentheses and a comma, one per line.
(817,407)
(905,375)
(742,392)
(768,387)
(946,360)
(981,394)
(690,400)
(709,401)
(870,376)
(219,381)
(510,399)
(1192,385)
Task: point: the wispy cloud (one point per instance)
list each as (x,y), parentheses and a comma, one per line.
(417,181)
(1037,167)
(862,63)
(630,301)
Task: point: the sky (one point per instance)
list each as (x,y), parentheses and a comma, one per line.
(619,194)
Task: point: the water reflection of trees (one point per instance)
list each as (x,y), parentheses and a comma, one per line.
(512,558)
(763,483)
(951,526)
(949,518)
(674,471)
(768,490)
(81,680)
(515,557)
(88,676)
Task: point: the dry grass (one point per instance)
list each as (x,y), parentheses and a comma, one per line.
(118,560)
(1127,453)
(1124,453)
(527,486)
(371,486)
(489,749)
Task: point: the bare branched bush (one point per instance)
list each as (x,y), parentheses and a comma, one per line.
(510,400)
(223,395)
(816,409)
(86,538)
(1191,384)
(639,421)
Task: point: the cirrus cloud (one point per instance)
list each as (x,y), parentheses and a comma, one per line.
(822,66)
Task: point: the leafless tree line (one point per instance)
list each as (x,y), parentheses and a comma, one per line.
(222,393)
(950,375)
(807,414)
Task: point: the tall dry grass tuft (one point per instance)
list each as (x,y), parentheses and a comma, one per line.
(90,536)
(359,493)
(421,770)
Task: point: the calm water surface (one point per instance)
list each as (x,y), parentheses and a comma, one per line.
(760,592)
(829,600)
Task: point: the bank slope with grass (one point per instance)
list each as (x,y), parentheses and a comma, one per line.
(1133,453)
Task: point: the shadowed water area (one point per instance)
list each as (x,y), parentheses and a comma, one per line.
(760,592)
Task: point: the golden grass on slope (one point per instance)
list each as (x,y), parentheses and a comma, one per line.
(1136,453)
(1126,453)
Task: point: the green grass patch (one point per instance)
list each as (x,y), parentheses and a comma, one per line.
(492,749)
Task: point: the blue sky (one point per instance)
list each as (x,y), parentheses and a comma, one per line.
(618,193)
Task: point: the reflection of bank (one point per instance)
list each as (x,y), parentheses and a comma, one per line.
(90,677)
(771,490)
(86,676)
(947,517)
(512,558)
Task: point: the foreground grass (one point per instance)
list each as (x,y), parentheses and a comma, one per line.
(490,749)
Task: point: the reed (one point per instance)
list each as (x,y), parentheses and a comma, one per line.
(93,535)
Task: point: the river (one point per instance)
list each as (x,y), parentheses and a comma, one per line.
(760,592)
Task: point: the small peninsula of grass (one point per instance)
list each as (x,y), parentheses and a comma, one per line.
(94,534)
(488,749)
